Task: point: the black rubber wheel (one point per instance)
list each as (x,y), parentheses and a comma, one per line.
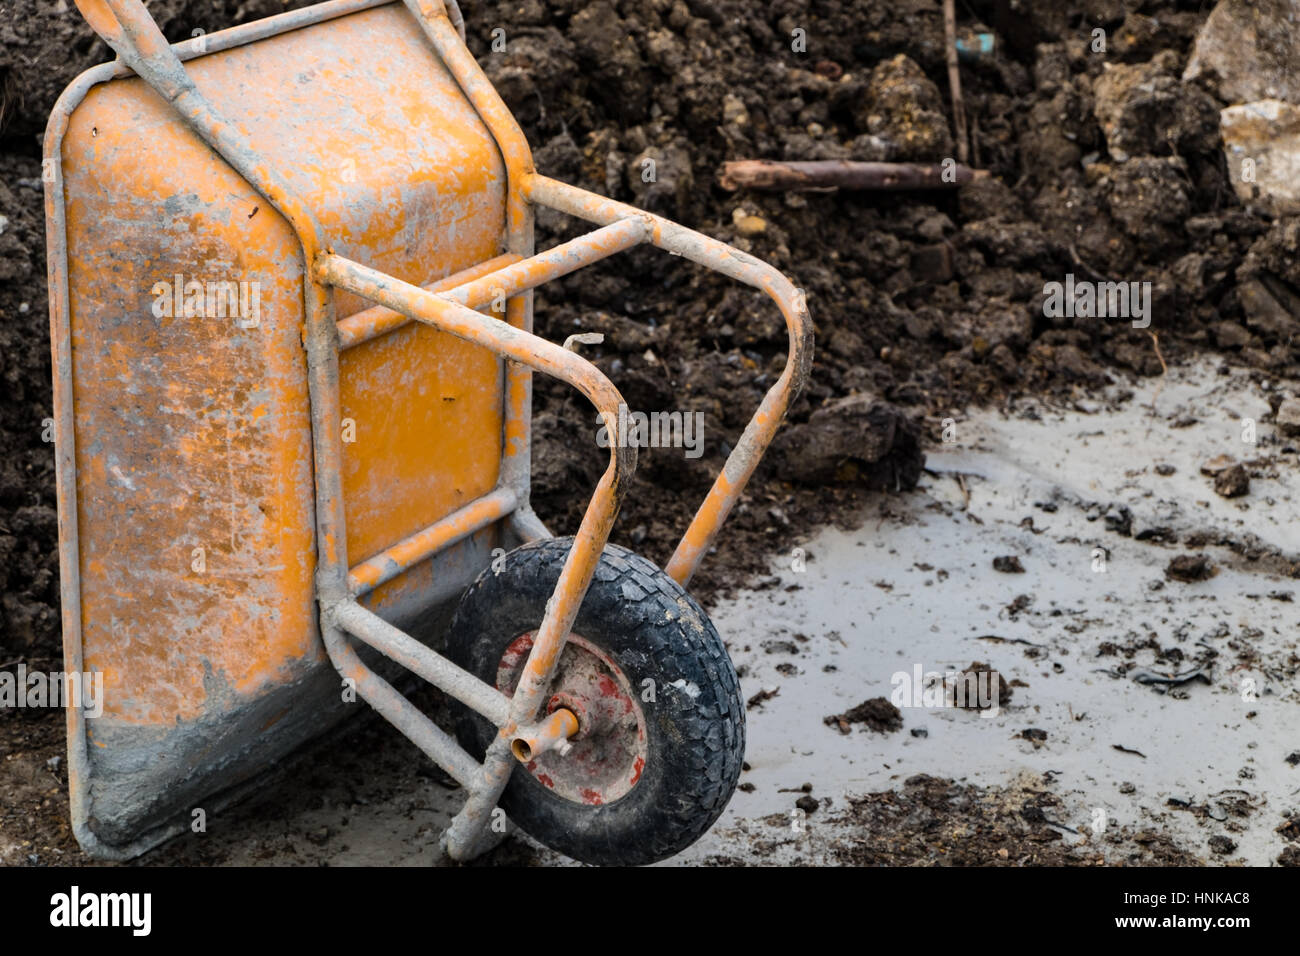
(662,723)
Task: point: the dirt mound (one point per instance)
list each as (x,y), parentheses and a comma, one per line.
(1106,166)
(923,301)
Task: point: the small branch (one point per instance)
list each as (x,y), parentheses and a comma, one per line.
(1164,371)
(1127,750)
(842,174)
(1078,260)
(954,80)
(965,492)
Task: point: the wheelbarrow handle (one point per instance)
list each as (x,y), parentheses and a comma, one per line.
(742,267)
(447,8)
(127,27)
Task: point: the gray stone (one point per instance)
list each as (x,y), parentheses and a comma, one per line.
(1248,50)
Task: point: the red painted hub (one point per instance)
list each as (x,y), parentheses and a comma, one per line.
(608,752)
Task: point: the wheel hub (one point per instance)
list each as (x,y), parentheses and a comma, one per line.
(608,752)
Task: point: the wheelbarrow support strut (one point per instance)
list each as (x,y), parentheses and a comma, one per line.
(452,306)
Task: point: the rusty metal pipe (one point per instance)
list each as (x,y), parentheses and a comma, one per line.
(456,17)
(758,434)
(465,836)
(410,551)
(553,733)
(551,264)
(320,339)
(230,37)
(527,525)
(580,566)
(436,743)
(536,352)
(371,323)
(399,646)
(65,460)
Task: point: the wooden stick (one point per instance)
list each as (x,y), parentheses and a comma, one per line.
(843,174)
(954,80)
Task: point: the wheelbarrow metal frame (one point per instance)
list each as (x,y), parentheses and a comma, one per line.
(451,306)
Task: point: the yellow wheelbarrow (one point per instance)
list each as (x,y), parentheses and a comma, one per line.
(290,267)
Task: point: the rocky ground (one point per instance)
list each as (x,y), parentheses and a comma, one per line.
(1105,165)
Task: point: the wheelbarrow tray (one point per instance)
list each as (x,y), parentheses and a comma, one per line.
(188,570)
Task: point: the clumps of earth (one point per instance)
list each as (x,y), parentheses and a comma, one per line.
(1106,166)
(1008,564)
(876,714)
(934,821)
(974,687)
(1190,568)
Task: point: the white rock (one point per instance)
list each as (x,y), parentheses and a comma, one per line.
(1262,143)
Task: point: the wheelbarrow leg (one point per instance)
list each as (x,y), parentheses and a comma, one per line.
(470,834)
(464,836)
